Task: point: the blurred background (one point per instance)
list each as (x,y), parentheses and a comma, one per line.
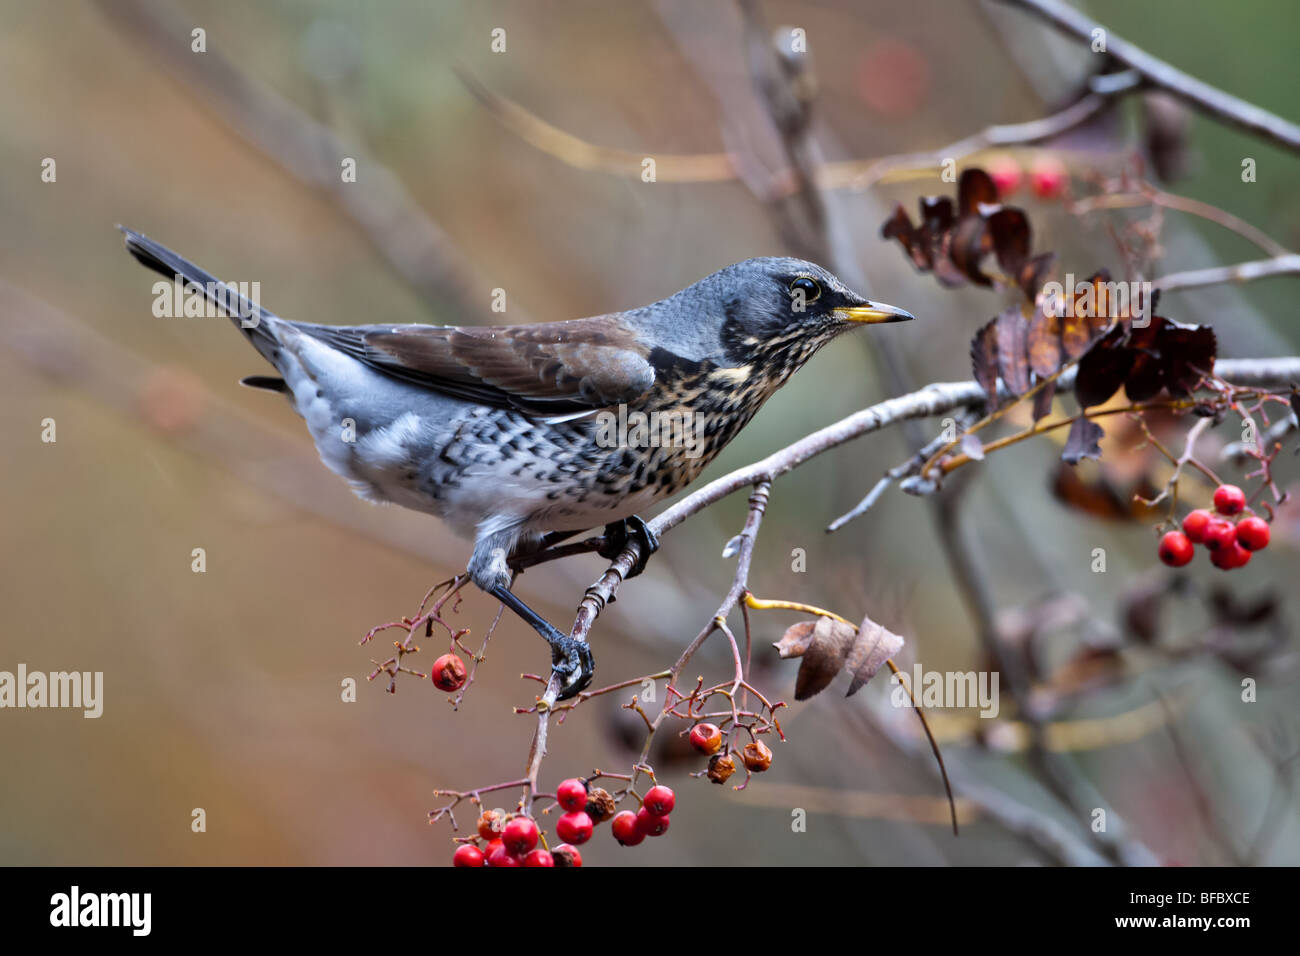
(222,689)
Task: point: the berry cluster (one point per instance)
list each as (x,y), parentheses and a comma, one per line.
(1047,176)
(584,807)
(1229,542)
(512,841)
(707,739)
(651,820)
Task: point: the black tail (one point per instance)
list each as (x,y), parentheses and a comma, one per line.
(248,316)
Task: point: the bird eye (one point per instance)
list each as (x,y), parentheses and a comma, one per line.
(809,287)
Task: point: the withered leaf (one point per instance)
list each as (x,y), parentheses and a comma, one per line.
(796,639)
(828,646)
(975,188)
(1013,362)
(1101,302)
(899,226)
(874,646)
(984,360)
(1187,352)
(936,215)
(1082,443)
(1034,273)
(1146,378)
(1044,342)
(1076,334)
(824,656)
(1009,236)
(1102,370)
(952,240)
(971,242)
(1145,359)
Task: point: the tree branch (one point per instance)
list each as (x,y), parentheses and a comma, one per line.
(935,399)
(1156,72)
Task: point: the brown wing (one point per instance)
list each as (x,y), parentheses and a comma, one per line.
(553,368)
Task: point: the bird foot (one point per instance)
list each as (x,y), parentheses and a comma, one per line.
(572,662)
(619,533)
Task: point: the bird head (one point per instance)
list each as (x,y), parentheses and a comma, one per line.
(782,310)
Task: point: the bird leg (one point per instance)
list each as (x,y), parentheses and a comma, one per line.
(570,658)
(619,533)
(549,548)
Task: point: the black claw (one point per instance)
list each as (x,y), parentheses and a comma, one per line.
(571,660)
(619,533)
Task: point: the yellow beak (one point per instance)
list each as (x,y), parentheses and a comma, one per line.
(874,312)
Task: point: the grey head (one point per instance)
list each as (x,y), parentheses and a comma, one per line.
(770,309)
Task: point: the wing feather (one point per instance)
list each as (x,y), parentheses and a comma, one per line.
(549,369)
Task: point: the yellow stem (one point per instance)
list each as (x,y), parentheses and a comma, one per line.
(762,604)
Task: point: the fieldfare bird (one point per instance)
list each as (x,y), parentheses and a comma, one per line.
(508,433)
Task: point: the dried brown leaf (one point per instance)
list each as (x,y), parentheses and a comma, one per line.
(824,657)
(1188,353)
(1013,360)
(970,243)
(975,188)
(1044,343)
(1102,370)
(1009,234)
(874,645)
(984,360)
(795,640)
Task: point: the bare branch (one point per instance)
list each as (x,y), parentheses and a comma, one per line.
(1156,72)
(1288,264)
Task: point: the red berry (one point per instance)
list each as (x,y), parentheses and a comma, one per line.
(572,794)
(649,824)
(498,855)
(1229,499)
(520,835)
(1220,535)
(706,738)
(626,830)
(1047,177)
(467,854)
(1229,558)
(1195,525)
(539,857)
(660,800)
(490,824)
(1005,173)
(1175,550)
(1253,533)
(449,673)
(566,855)
(574,827)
